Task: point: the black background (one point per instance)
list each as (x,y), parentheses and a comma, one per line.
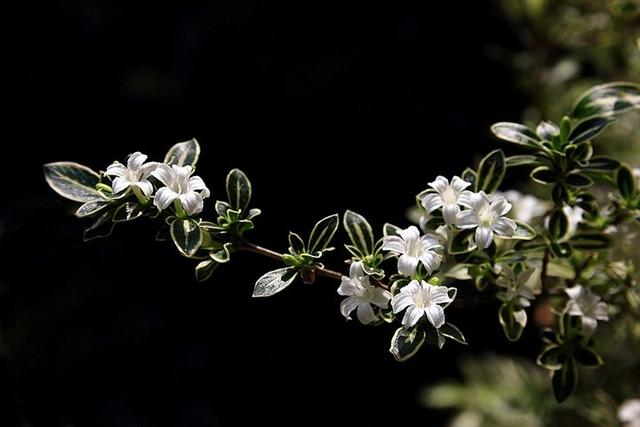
(325,105)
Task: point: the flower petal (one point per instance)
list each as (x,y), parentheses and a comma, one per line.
(407,265)
(393,244)
(431,260)
(365,314)
(346,287)
(410,233)
(483,237)
(432,201)
(116,169)
(355,270)
(145,186)
(347,306)
(500,206)
(449,212)
(430,242)
(412,316)
(192,202)
(147,169)
(196,183)
(601,311)
(401,301)
(458,184)
(504,227)
(440,295)
(589,324)
(165,174)
(380,297)
(435,314)
(440,184)
(467,219)
(135,161)
(464,199)
(164,197)
(120,184)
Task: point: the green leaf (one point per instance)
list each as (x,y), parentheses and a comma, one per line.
(543,175)
(547,130)
(521,160)
(274,281)
(560,194)
(128,211)
(491,171)
(183,154)
(461,242)
(187,236)
(603,164)
(552,357)
(517,134)
(578,180)
(390,230)
(469,175)
(587,357)
(296,244)
(565,380)
(589,129)
(73,181)
(238,190)
(626,183)
(91,208)
(205,269)
(322,233)
(558,224)
(222,253)
(222,208)
(102,227)
(451,331)
(510,325)
(560,250)
(590,240)
(611,99)
(523,231)
(405,343)
(359,231)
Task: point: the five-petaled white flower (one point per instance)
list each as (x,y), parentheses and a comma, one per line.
(135,174)
(421,298)
(179,184)
(589,306)
(629,413)
(447,196)
(360,295)
(487,217)
(414,249)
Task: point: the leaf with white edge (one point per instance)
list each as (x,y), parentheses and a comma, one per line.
(552,357)
(253,213)
(451,331)
(543,175)
(322,233)
(517,134)
(558,224)
(274,281)
(611,99)
(578,180)
(359,231)
(433,336)
(521,160)
(128,211)
(405,343)
(509,321)
(491,172)
(565,380)
(238,190)
(91,208)
(547,130)
(205,269)
(590,240)
(459,271)
(221,254)
(183,153)
(296,244)
(587,357)
(603,164)
(626,183)
(390,230)
(222,207)
(589,129)
(102,227)
(187,236)
(73,181)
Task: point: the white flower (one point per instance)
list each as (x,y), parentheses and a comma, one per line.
(414,249)
(584,303)
(447,196)
(360,295)
(574,215)
(190,190)
(421,298)
(487,217)
(135,174)
(525,207)
(629,413)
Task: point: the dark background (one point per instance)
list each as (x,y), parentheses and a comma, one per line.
(325,105)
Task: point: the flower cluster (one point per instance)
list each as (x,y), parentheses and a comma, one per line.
(175,183)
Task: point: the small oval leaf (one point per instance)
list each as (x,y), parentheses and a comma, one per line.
(274,281)
(73,181)
(183,153)
(238,190)
(359,231)
(406,342)
(322,233)
(187,236)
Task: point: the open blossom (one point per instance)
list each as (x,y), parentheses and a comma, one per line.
(360,295)
(421,299)
(135,174)
(414,249)
(589,306)
(487,217)
(574,215)
(448,196)
(179,184)
(629,413)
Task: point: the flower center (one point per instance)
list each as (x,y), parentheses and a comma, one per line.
(449,196)
(421,299)
(485,216)
(414,248)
